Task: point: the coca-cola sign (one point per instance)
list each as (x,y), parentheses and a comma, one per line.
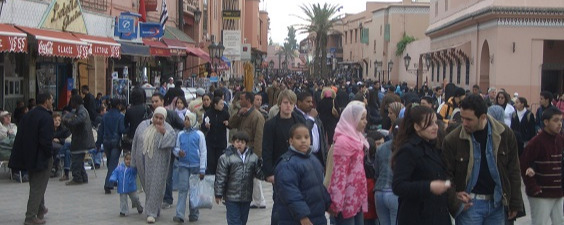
(13,44)
(53,48)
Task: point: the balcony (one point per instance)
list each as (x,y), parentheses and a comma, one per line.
(94,5)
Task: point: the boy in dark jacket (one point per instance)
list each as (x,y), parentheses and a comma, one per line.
(301,197)
(234,178)
(124,176)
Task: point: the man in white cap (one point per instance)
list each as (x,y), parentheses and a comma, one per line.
(7,129)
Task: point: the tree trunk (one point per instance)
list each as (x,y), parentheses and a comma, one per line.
(323,46)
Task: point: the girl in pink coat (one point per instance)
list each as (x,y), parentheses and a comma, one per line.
(348,181)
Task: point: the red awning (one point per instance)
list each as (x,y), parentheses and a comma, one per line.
(12,39)
(101,46)
(176,47)
(55,43)
(157,48)
(199,53)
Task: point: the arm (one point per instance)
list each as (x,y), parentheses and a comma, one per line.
(176,122)
(100,138)
(203,127)
(121,125)
(234,121)
(221,176)
(169,138)
(114,176)
(259,126)
(176,148)
(203,153)
(402,184)
(527,159)
(45,139)
(79,118)
(513,172)
(288,186)
(267,150)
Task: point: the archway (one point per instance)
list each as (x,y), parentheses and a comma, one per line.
(485,66)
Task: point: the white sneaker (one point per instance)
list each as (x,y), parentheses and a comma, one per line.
(150,219)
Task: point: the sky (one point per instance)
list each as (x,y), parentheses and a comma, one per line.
(283,13)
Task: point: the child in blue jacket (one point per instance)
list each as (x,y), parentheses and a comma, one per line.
(124,176)
(192,157)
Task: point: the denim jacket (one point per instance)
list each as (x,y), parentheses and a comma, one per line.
(111,127)
(383,172)
(492,166)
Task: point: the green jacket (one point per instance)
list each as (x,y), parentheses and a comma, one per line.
(459,159)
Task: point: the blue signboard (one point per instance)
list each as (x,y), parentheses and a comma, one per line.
(129,36)
(150,30)
(126,24)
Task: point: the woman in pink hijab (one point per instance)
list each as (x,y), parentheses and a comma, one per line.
(348,181)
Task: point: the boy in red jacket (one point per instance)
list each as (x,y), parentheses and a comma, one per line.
(540,168)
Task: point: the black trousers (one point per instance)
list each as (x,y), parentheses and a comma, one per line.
(37,186)
(77,167)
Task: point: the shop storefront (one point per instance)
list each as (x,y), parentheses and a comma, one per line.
(13,46)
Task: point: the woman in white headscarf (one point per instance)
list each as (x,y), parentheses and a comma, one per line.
(152,144)
(348,182)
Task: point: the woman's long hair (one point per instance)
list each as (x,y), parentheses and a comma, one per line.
(413,115)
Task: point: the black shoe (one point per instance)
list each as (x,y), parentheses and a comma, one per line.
(192,219)
(107,191)
(177,219)
(122,214)
(97,166)
(139,209)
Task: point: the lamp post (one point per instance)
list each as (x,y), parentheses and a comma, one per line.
(407,62)
(390,66)
(376,69)
(216,52)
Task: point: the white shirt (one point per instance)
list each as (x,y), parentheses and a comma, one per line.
(314,132)
(243,155)
(521,113)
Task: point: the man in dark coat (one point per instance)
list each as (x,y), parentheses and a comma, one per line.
(314,124)
(89,103)
(32,151)
(174,92)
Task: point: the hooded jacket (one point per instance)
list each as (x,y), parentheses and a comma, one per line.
(125,178)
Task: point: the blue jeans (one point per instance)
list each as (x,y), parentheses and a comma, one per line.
(168,189)
(184,190)
(174,175)
(96,156)
(386,207)
(482,212)
(113,152)
(237,212)
(64,152)
(358,219)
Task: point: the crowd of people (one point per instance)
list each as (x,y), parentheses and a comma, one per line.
(364,152)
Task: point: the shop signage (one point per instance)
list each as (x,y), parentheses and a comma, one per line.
(13,44)
(159,51)
(150,30)
(50,48)
(246,52)
(150,5)
(64,15)
(232,43)
(126,24)
(112,51)
(231,14)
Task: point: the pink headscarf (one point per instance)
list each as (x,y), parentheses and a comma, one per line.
(347,126)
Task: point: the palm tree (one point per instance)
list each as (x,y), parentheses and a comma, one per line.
(319,21)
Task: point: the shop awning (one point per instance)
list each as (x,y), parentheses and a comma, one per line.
(176,47)
(157,48)
(198,53)
(175,33)
(12,39)
(101,46)
(55,43)
(134,49)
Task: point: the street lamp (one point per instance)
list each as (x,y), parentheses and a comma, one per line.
(406,61)
(216,53)
(390,66)
(197,15)
(376,69)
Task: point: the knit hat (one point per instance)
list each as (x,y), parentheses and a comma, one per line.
(200,91)
(160,110)
(192,117)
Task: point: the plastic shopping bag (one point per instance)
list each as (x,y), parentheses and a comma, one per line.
(201,192)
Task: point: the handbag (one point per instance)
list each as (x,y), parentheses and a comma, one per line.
(334,111)
(201,192)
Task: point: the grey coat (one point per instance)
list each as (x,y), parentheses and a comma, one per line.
(234,178)
(80,126)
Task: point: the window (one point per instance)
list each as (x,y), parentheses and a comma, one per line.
(345,37)
(451,65)
(380,30)
(205,17)
(432,71)
(355,35)
(96,5)
(458,68)
(374,46)
(467,71)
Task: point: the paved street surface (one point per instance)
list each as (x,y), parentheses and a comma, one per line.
(88,205)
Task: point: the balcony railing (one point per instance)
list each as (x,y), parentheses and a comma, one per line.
(94,5)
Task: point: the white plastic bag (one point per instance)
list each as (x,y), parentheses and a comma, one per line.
(201,192)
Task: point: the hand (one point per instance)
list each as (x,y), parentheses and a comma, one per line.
(56,140)
(208,125)
(226,122)
(332,213)
(463,196)
(181,153)
(438,187)
(160,128)
(305,221)
(217,200)
(270,179)
(313,113)
(467,206)
(243,110)
(202,176)
(530,172)
(511,214)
